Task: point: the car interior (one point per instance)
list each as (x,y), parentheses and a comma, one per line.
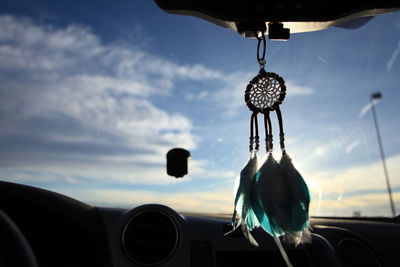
(39,227)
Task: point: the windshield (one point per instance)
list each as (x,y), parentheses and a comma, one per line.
(92,96)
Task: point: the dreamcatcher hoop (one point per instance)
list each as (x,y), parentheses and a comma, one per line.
(265,92)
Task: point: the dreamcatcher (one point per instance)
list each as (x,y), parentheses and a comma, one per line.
(274,197)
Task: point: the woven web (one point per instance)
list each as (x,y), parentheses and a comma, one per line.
(265,93)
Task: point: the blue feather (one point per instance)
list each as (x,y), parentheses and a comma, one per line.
(299,199)
(242,198)
(270,197)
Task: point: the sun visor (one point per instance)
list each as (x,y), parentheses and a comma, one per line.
(249,17)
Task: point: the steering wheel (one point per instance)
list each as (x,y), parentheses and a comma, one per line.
(14,248)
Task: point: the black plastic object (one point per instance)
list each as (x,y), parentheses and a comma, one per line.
(249,17)
(177,162)
(276,31)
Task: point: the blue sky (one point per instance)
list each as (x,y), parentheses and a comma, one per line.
(93,96)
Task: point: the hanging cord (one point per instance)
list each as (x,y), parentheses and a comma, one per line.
(281,133)
(254,139)
(251,133)
(271,145)
(268,132)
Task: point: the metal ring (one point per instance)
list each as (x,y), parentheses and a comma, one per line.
(261,60)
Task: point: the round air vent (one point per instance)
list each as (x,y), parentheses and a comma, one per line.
(150,237)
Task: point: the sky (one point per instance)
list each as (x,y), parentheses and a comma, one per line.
(92,97)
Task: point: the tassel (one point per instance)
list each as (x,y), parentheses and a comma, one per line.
(297,230)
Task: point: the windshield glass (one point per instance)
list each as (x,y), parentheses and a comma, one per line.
(92,96)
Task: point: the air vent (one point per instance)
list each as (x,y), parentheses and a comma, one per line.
(150,237)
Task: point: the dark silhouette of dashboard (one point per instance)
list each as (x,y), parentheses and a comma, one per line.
(65,232)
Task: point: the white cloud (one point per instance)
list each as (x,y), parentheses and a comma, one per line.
(372,204)
(105,95)
(333,145)
(352,146)
(332,142)
(358,178)
(214,201)
(196,97)
(298,90)
(339,192)
(230,97)
(322,59)
(367,107)
(345,190)
(393,58)
(364,110)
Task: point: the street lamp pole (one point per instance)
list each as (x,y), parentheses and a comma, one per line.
(374,96)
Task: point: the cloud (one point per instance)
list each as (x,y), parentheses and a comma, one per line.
(342,141)
(345,190)
(357,178)
(339,192)
(196,97)
(215,201)
(373,204)
(322,59)
(352,146)
(364,110)
(75,109)
(230,96)
(393,58)
(367,107)
(298,90)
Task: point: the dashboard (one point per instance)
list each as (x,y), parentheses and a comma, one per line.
(65,232)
